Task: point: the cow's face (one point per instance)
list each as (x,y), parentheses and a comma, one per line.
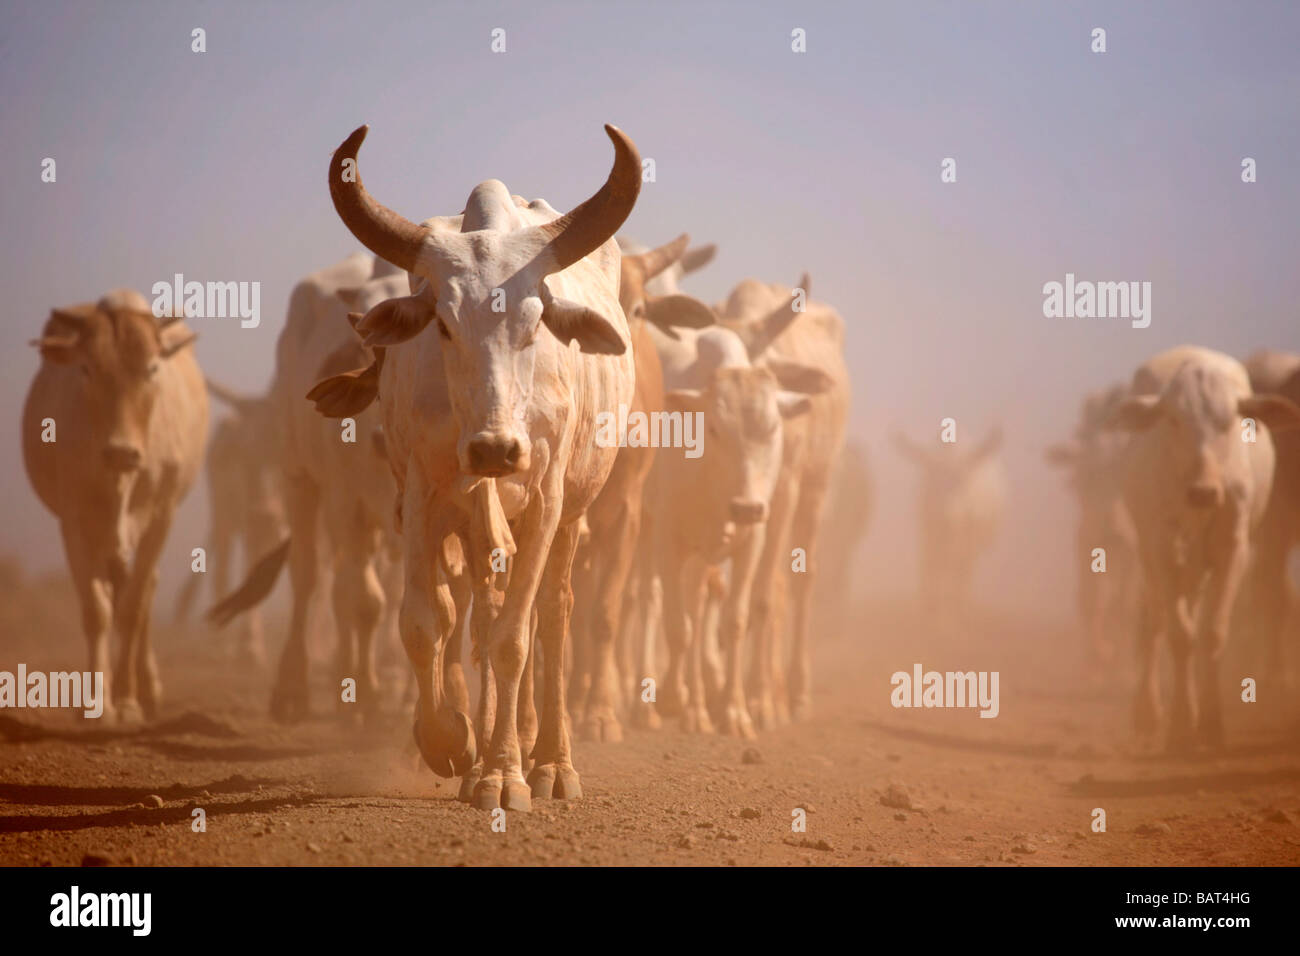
(948,469)
(742,410)
(1199,419)
(485,290)
(118,351)
(636,270)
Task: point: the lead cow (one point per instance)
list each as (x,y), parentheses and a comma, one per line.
(1197,484)
(495,368)
(113,432)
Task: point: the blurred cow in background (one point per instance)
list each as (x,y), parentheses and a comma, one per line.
(113,433)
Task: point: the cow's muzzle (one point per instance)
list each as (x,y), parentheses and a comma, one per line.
(748,511)
(122,457)
(1205,494)
(493,455)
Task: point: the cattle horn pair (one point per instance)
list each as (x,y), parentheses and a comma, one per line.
(574,235)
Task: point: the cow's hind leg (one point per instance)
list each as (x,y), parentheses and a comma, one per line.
(289,695)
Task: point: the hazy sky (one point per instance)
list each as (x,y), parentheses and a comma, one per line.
(1116,166)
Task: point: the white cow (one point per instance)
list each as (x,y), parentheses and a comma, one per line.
(713,506)
(496,367)
(1197,483)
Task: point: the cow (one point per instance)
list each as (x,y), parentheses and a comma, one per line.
(113,431)
(245,509)
(961,498)
(1271,605)
(605,562)
(511,343)
(1107,593)
(713,506)
(1197,484)
(845,522)
(780,326)
(335,478)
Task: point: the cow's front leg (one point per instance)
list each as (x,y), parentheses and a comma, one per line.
(502,783)
(735,607)
(96,597)
(427,621)
(1179,622)
(139,688)
(289,697)
(695,594)
(553,775)
(1220,595)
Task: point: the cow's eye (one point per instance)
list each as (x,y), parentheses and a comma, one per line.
(443,330)
(152,370)
(85,371)
(638,310)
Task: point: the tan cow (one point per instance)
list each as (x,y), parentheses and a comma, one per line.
(1106,583)
(334,479)
(1271,604)
(113,432)
(494,372)
(961,498)
(603,565)
(775,333)
(1197,485)
(713,506)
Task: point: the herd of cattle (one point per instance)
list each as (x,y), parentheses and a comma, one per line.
(470,487)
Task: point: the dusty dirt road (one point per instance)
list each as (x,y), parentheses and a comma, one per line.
(1016,790)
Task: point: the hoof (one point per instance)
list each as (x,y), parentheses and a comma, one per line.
(468,783)
(516,796)
(696,720)
(604,727)
(736,723)
(549,781)
(128,713)
(446,741)
(801,710)
(645,716)
(487,795)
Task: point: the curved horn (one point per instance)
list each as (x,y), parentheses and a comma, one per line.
(698,258)
(758,334)
(582,229)
(382,231)
(75,319)
(657,260)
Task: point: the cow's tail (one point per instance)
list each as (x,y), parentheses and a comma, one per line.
(259,583)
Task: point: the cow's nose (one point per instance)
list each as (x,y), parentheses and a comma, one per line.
(748,511)
(122,457)
(493,455)
(1204,495)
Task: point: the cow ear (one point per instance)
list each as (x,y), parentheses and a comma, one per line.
(797,377)
(1278,412)
(569,320)
(174,337)
(686,311)
(791,404)
(348,394)
(58,349)
(1061,455)
(1136,413)
(697,257)
(684,400)
(393,321)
